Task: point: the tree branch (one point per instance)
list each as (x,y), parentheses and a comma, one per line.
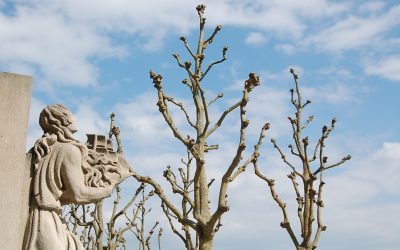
(224,58)
(344,159)
(256,153)
(168,174)
(211,38)
(320,205)
(160,192)
(221,119)
(285,223)
(183,39)
(163,108)
(299,199)
(150,234)
(173,228)
(182,107)
(250,84)
(283,157)
(220,95)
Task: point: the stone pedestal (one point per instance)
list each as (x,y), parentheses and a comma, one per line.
(15,98)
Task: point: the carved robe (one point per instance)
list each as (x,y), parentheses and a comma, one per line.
(64,164)
(45,230)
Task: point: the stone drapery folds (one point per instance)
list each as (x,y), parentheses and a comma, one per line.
(66,171)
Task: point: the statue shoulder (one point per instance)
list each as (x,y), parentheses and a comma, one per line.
(69,151)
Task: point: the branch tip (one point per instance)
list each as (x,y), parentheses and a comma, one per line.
(293,72)
(200,9)
(252,82)
(188,64)
(333,121)
(156,79)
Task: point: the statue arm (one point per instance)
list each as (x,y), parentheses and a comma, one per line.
(75,190)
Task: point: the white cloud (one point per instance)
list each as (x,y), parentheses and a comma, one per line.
(268,104)
(89,121)
(58,40)
(333,94)
(256,38)
(285,18)
(385,166)
(373,6)
(283,75)
(388,67)
(143,123)
(337,73)
(365,199)
(355,32)
(132,16)
(286,48)
(59,50)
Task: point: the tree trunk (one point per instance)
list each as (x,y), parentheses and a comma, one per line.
(305,248)
(207,243)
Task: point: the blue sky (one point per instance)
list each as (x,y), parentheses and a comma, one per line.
(94,56)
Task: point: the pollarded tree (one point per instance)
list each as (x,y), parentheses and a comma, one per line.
(309,193)
(97,231)
(195,213)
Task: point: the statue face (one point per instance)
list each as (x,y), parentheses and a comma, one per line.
(73,126)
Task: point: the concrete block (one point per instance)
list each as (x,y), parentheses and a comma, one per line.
(15,99)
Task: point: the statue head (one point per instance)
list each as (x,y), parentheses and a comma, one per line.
(58,124)
(57,120)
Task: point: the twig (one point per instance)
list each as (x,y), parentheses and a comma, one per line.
(283,157)
(173,228)
(320,205)
(182,107)
(183,39)
(210,39)
(344,159)
(159,238)
(221,119)
(299,199)
(175,187)
(160,192)
(224,50)
(249,85)
(285,223)
(151,234)
(220,95)
(256,153)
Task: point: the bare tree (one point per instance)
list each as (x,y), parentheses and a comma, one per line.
(88,221)
(203,221)
(182,185)
(309,195)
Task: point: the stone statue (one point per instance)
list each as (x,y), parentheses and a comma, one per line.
(66,171)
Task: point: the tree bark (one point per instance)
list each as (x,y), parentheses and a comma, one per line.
(207,243)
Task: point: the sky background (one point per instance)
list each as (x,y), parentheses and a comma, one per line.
(94,57)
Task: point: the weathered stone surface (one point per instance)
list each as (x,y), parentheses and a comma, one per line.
(66,171)
(15,98)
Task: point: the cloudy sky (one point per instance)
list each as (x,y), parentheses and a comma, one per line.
(94,56)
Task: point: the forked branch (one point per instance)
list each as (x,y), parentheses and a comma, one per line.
(307,198)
